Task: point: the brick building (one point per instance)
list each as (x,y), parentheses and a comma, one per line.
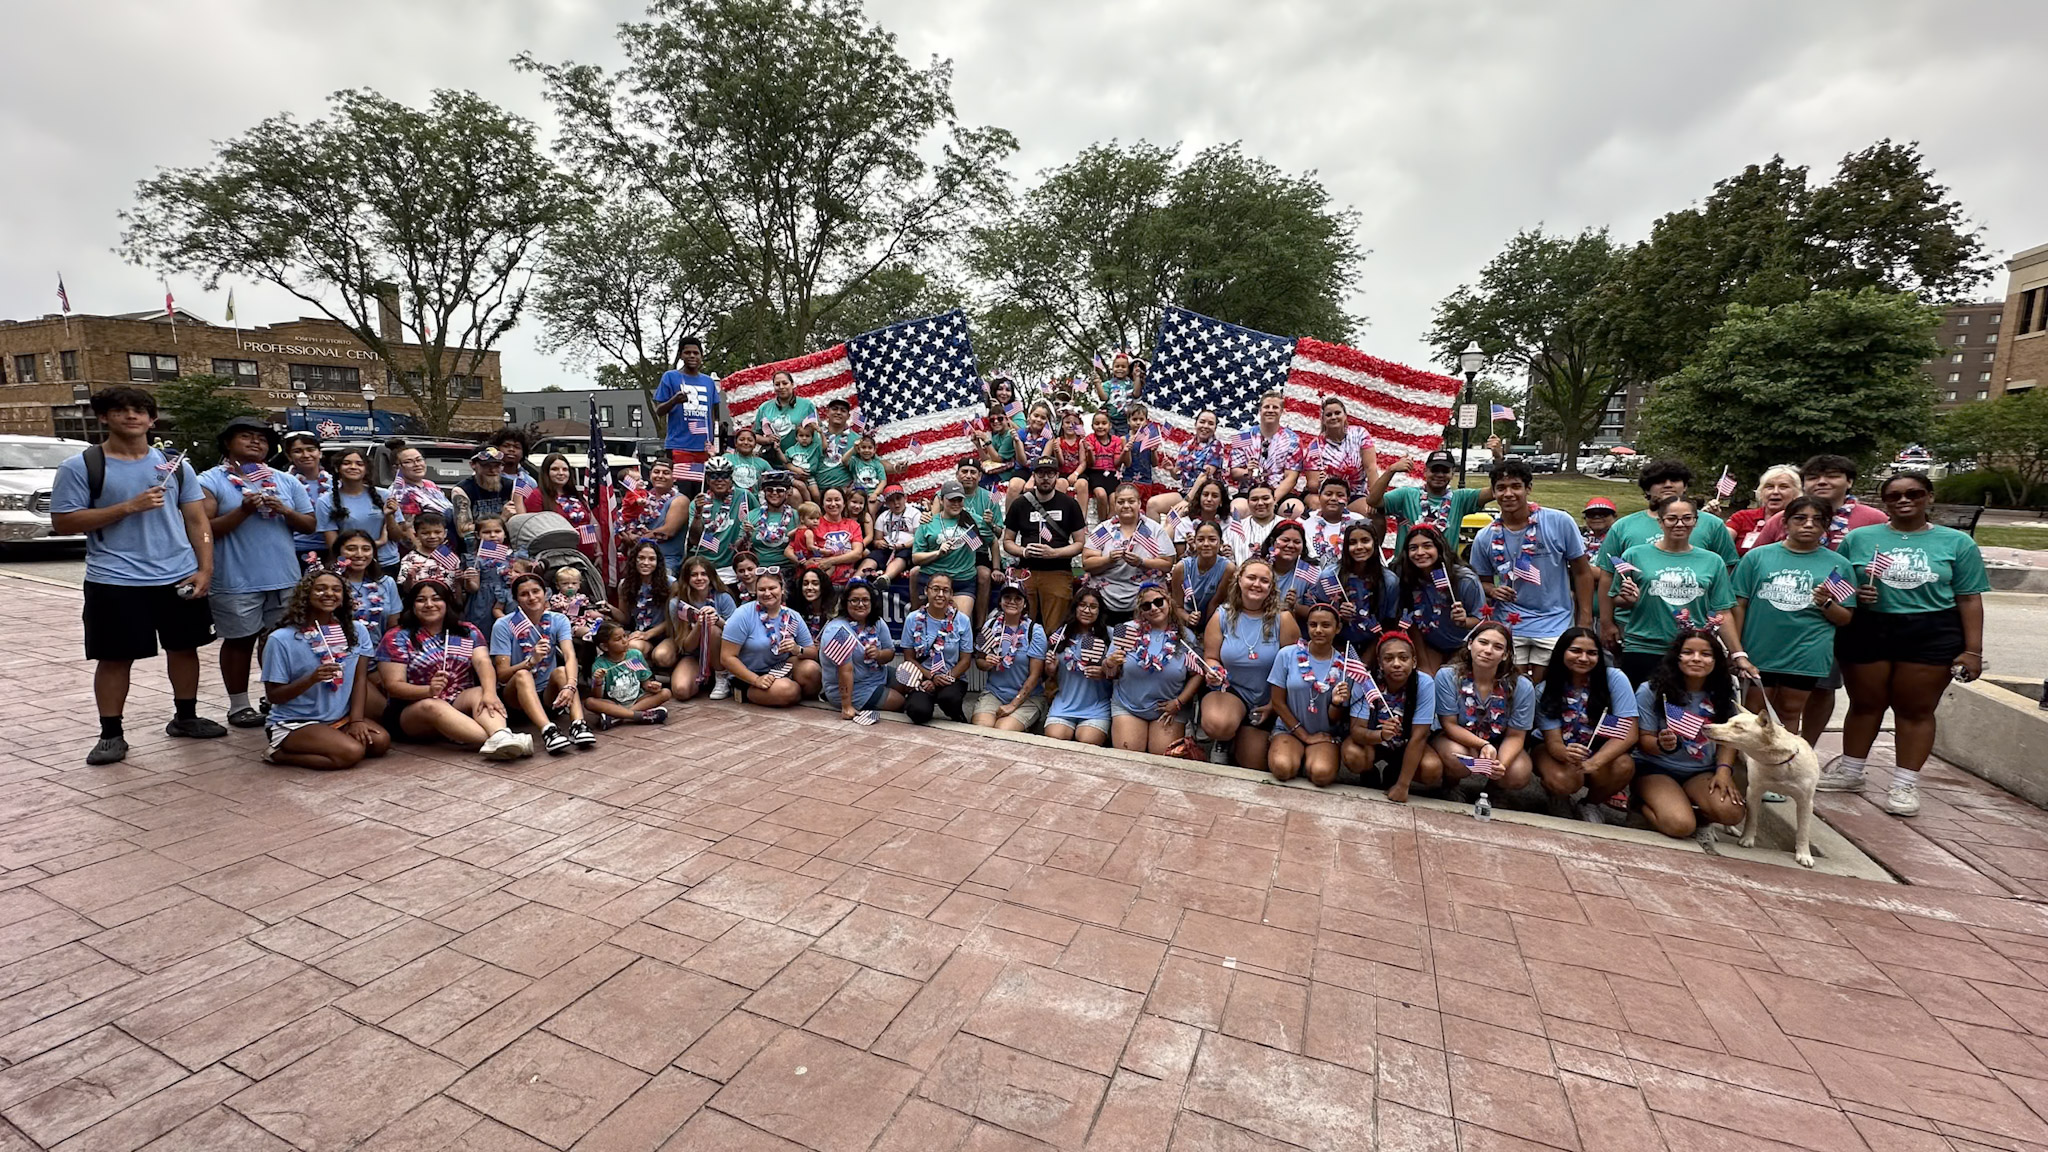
(2023,354)
(1965,372)
(303,369)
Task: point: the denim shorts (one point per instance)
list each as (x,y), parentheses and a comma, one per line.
(239,615)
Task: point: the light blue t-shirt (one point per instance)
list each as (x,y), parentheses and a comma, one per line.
(1007,682)
(1311,708)
(364,510)
(926,640)
(1690,757)
(318,490)
(290,653)
(1141,691)
(757,651)
(1546,608)
(1381,605)
(721,602)
(689,422)
(1519,713)
(1079,696)
(504,641)
(1247,655)
(867,675)
(376,602)
(1621,705)
(257,555)
(1394,704)
(148,549)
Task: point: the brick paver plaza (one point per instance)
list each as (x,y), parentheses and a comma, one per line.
(756,931)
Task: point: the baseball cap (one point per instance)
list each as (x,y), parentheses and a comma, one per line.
(951,490)
(1441,458)
(487,456)
(1601,504)
(1046,464)
(892,490)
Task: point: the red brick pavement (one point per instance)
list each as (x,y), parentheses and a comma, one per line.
(755,931)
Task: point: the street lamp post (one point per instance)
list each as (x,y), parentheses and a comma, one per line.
(370,403)
(1470,361)
(304,401)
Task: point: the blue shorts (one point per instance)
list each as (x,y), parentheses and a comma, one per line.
(1099,723)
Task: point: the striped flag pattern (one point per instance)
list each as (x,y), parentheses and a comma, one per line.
(840,648)
(1880,563)
(1684,721)
(1843,591)
(1615,728)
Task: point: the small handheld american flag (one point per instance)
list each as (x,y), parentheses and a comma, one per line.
(1246,444)
(1880,563)
(1725,486)
(1480,765)
(1684,721)
(447,559)
(1152,438)
(1441,577)
(1615,728)
(493,552)
(586,533)
(335,641)
(1329,587)
(839,649)
(1624,568)
(168,469)
(1843,591)
(522,632)
(1527,572)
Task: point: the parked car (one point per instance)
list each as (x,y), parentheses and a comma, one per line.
(447,460)
(28,470)
(1546,462)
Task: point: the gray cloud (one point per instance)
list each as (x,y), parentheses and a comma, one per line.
(1447,126)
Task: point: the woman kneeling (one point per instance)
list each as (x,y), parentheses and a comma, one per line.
(1586,714)
(1677,768)
(536,665)
(1311,695)
(316,674)
(768,649)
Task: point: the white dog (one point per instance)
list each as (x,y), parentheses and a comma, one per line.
(1780,761)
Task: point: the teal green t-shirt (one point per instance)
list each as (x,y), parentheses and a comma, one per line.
(772,419)
(1930,568)
(1642,527)
(983,509)
(1416,506)
(1782,629)
(722,527)
(746,470)
(834,450)
(770,530)
(1694,580)
(956,560)
(809,457)
(868,475)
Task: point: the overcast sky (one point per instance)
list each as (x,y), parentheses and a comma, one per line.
(1446,126)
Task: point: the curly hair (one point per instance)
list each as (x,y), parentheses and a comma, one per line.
(1668,681)
(298,609)
(628,593)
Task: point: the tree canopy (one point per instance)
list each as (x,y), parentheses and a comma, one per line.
(430,211)
(802,152)
(1835,371)
(1085,258)
(2007,436)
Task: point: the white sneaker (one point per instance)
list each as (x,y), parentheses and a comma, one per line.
(721,685)
(1903,800)
(1836,778)
(500,745)
(525,744)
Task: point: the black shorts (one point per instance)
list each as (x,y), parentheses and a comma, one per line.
(124,622)
(1638,666)
(1901,638)
(393,709)
(1788,680)
(1107,481)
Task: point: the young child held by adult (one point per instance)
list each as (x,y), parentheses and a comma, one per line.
(622,687)
(432,555)
(570,600)
(804,545)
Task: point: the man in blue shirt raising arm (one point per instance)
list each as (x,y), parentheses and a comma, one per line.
(148,564)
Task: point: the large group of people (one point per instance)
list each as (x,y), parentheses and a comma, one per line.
(1278,601)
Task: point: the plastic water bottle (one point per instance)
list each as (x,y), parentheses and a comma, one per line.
(1482,808)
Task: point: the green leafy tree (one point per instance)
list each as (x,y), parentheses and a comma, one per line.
(198,407)
(1834,372)
(620,284)
(2007,436)
(805,154)
(1536,306)
(1084,260)
(428,212)
(1767,236)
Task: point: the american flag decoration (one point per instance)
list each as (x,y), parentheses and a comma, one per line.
(1725,486)
(1615,728)
(839,649)
(63,297)
(493,552)
(447,558)
(1485,766)
(598,483)
(864,716)
(1207,363)
(1684,617)
(460,651)
(522,632)
(690,471)
(335,642)
(1843,591)
(1684,721)
(1441,577)
(1526,571)
(1152,438)
(1624,568)
(916,384)
(1880,563)
(1329,587)
(1502,412)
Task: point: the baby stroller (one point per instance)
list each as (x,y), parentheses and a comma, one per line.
(549,539)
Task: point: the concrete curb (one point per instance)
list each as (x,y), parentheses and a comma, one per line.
(2006,578)
(1996,735)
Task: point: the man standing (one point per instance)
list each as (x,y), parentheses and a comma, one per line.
(148,565)
(253,512)
(485,494)
(687,400)
(511,445)
(1044,529)
(302,452)
(1435,503)
(1535,567)
(836,444)
(1659,478)
(776,422)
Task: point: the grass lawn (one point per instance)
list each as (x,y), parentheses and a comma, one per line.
(1998,536)
(1568,492)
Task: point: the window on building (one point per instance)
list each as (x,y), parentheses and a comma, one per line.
(562,413)
(2027,301)
(1983,393)
(604,415)
(76,422)
(1991,337)
(1995,318)
(145,366)
(67,364)
(1962,339)
(1990,356)
(1956,358)
(1949,395)
(332,377)
(1962,321)
(242,372)
(24,369)
(539,413)
(472,386)
(1954,377)
(1983,377)
(633,416)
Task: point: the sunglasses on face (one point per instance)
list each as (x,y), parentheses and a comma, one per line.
(1908,494)
(1149,605)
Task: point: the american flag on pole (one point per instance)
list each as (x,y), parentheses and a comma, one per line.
(1843,591)
(1202,363)
(1880,563)
(1615,728)
(598,483)
(1687,723)
(1503,412)
(1440,576)
(63,297)
(840,648)
(1725,486)
(915,383)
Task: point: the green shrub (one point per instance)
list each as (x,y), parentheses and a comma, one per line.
(1993,487)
